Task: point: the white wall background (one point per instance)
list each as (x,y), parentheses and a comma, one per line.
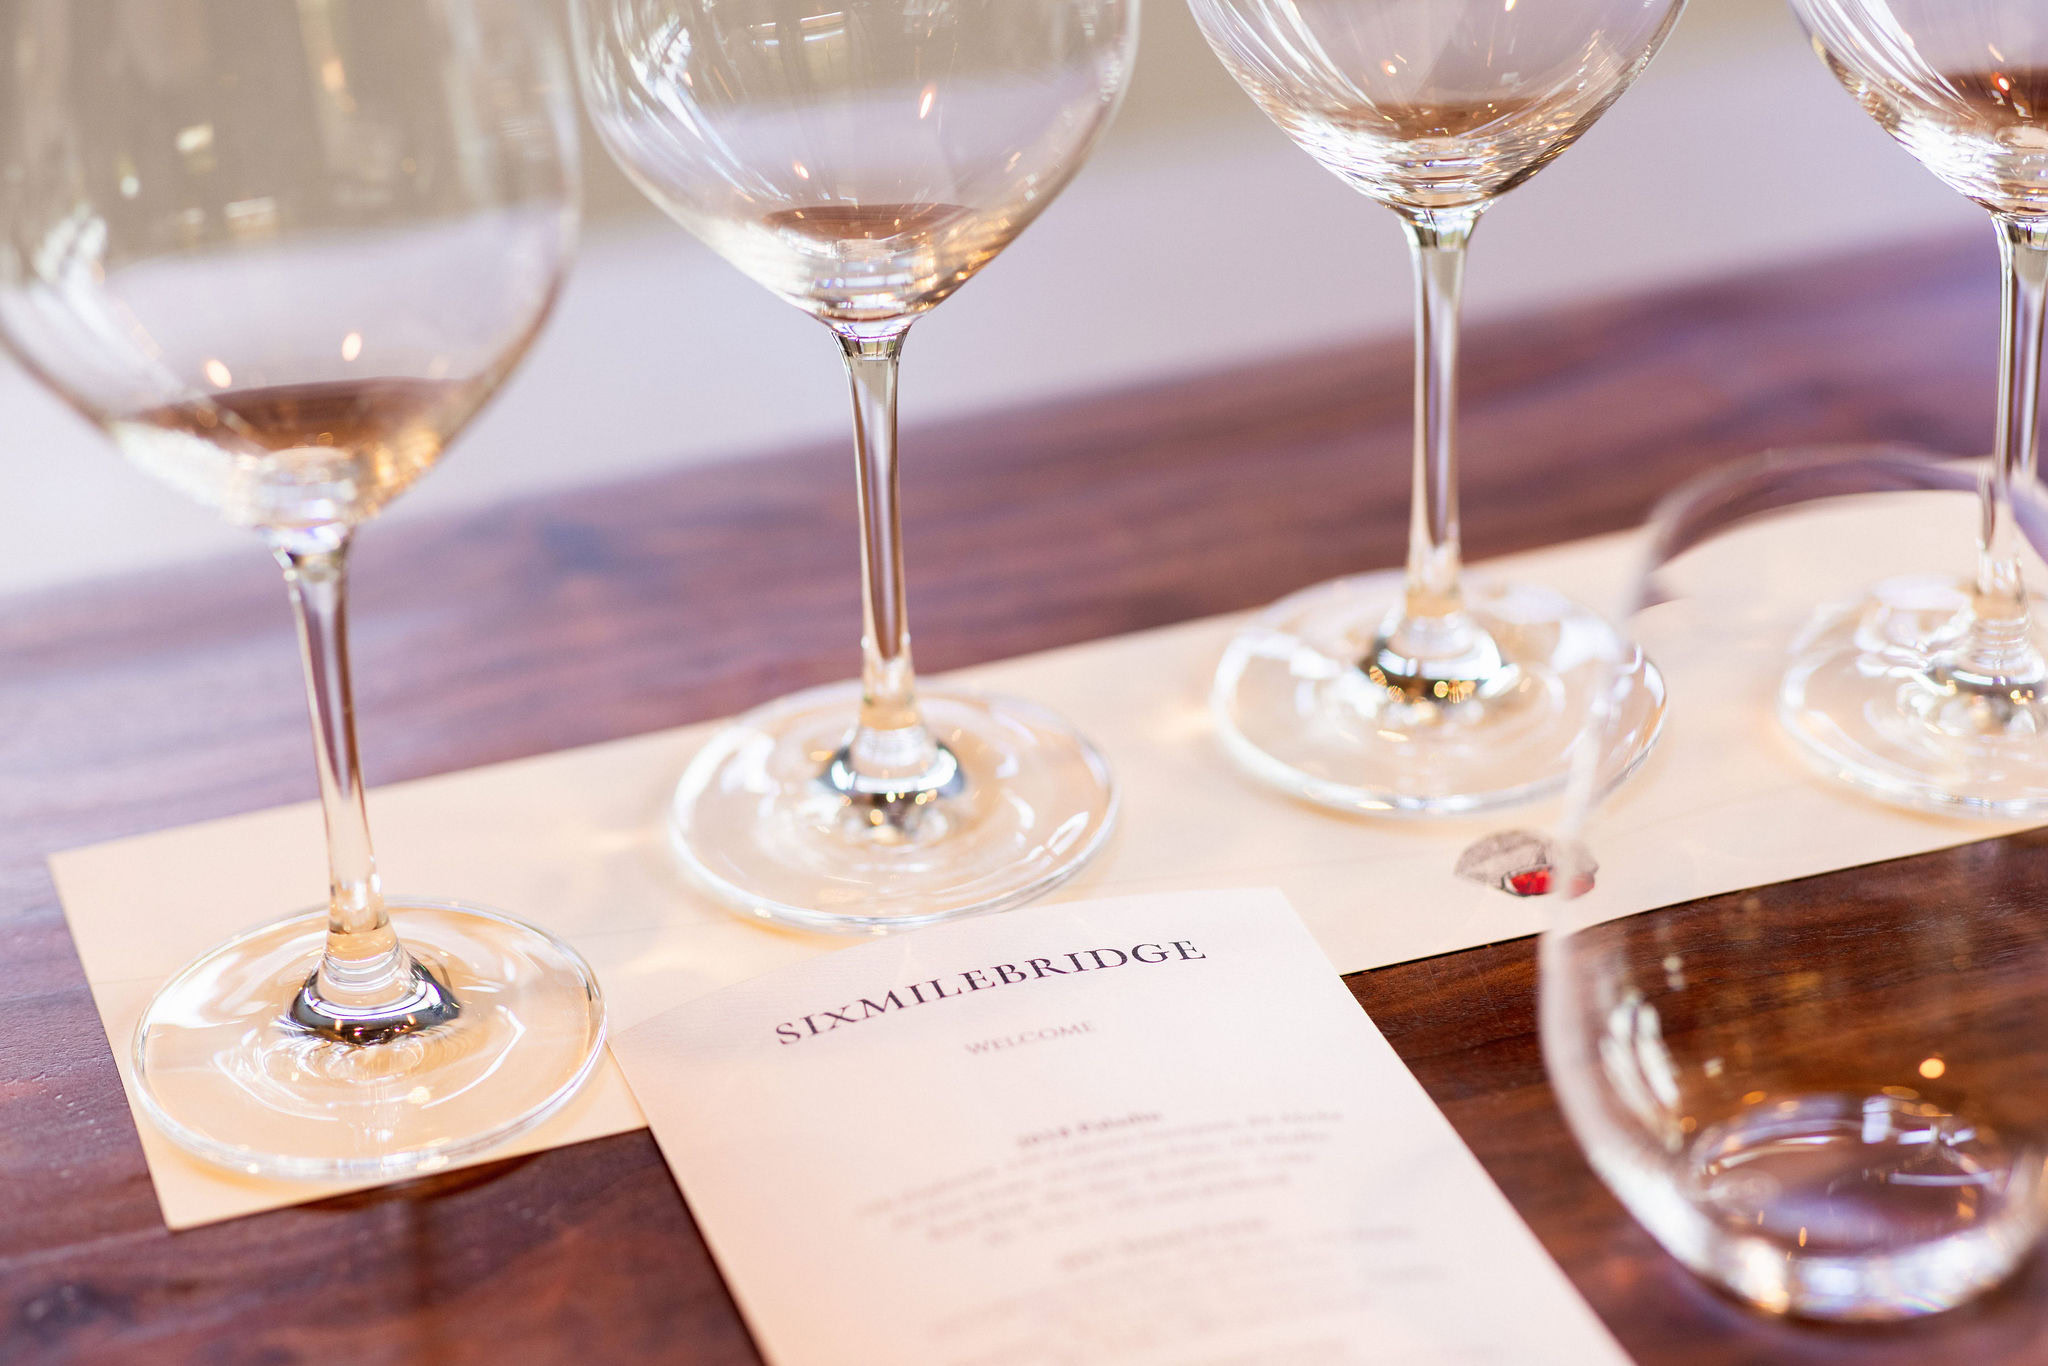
(1196,238)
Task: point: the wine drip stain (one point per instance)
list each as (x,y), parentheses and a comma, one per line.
(1524,863)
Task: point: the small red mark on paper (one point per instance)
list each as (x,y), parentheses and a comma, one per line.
(1524,863)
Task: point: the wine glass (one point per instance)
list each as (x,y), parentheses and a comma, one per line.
(282,254)
(1827,1096)
(1963,84)
(862,159)
(1419,693)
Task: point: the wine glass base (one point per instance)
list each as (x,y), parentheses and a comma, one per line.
(1847,1206)
(1859,703)
(224,1071)
(1295,708)
(756,822)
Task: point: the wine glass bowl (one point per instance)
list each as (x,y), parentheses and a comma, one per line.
(282,254)
(863,159)
(284,315)
(1418,693)
(868,180)
(1820,1113)
(1434,106)
(1963,87)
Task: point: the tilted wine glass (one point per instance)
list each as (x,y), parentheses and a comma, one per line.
(1829,1095)
(1962,725)
(283,253)
(1425,694)
(862,159)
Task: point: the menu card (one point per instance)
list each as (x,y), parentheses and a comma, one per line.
(1143,1130)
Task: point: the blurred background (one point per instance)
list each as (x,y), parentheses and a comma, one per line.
(1197,238)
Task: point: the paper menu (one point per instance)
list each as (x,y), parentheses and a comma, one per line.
(1146,1130)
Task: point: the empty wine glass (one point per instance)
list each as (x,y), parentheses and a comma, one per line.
(1824,1095)
(283,253)
(862,159)
(1422,693)
(1963,84)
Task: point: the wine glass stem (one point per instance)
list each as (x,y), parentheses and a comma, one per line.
(1429,650)
(364,971)
(1436,241)
(1999,651)
(891,747)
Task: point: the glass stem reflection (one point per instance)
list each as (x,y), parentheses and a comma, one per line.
(1999,658)
(367,987)
(1431,650)
(891,756)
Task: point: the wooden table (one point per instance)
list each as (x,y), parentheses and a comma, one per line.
(576,618)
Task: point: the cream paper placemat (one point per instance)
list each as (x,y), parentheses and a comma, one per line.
(574,840)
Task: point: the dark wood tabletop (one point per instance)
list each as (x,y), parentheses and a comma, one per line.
(153,701)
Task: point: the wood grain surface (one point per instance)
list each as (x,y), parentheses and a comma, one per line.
(149,702)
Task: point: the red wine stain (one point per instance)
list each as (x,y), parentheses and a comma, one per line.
(1523,863)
